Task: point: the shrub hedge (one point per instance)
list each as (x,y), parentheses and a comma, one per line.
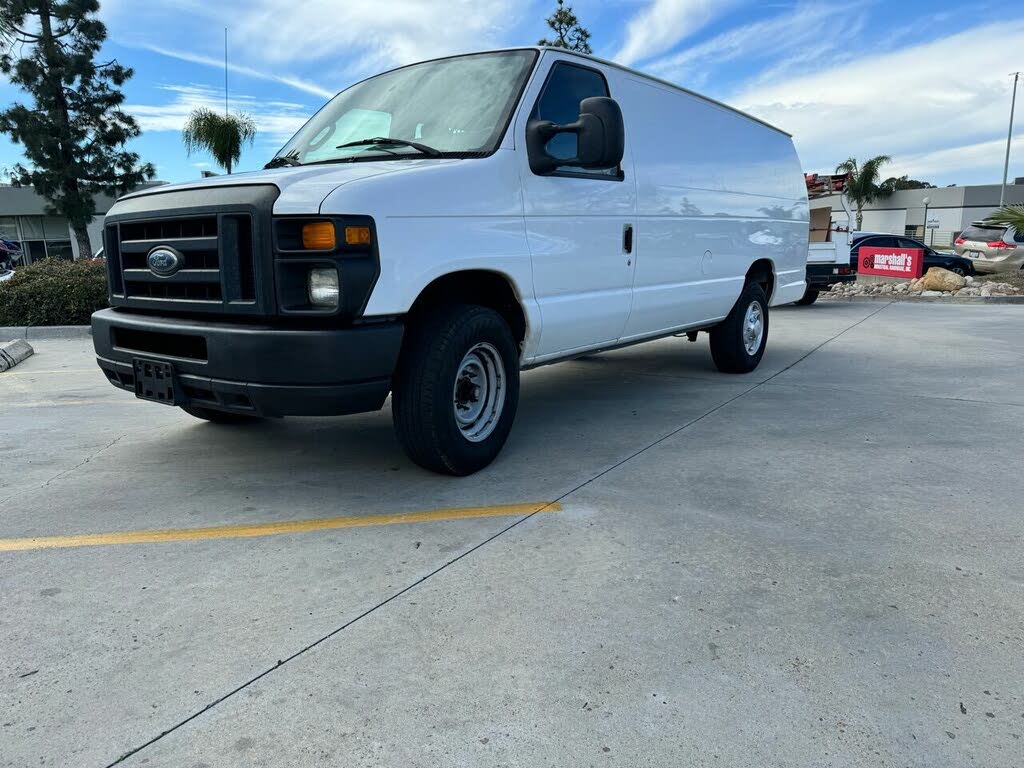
(53,292)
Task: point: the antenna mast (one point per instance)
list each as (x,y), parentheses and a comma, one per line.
(225,71)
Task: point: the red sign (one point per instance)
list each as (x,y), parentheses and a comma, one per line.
(891,262)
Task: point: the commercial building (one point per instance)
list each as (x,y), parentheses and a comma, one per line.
(950,210)
(24,220)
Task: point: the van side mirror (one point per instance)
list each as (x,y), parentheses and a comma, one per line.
(600,138)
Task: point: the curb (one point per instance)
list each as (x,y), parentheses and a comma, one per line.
(46,332)
(13,352)
(890,299)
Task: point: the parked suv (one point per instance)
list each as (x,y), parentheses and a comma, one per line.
(991,247)
(436,229)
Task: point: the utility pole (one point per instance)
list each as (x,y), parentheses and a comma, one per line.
(1009,138)
(226,74)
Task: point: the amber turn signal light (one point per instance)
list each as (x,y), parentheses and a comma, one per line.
(318,236)
(357,235)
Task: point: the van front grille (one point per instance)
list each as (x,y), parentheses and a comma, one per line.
(216,264)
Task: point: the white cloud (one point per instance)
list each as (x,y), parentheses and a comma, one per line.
(276,121)
(664,23)
(382,33)
(802,38)
(353,37)
(984,156)
(934,100)
(210,61)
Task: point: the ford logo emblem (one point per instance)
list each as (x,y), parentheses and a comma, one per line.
(164,261)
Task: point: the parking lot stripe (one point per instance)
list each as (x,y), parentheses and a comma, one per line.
(271,529)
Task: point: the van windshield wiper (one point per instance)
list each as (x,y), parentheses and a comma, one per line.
(383,141)
(277,162)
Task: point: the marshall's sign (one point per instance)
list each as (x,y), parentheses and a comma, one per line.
(891,262)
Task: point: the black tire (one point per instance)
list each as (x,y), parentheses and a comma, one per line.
(956,269)
(810,296)
(728,348)
(423,392)
(218,417)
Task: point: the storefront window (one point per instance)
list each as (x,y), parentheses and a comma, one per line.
(60,249)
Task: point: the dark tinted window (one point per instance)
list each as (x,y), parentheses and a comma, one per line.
(906,243)
(1019,237)
(877,242)
(559,102)
(983,234)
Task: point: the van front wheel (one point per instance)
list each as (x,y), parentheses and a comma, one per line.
(455,393)
(738,342)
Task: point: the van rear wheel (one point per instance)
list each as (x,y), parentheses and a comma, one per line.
(455,393)
(738,342)
(810,296)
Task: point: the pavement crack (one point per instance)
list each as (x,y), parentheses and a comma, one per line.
(717,408)
(85,461)
(67,471)
(283,662)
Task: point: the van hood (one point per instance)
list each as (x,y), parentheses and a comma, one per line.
(303,189)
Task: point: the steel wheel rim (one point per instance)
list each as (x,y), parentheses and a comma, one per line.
(753,327)
(478,395)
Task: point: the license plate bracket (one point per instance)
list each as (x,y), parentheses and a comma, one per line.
(154,381)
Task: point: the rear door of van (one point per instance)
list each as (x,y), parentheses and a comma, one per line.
(578,223)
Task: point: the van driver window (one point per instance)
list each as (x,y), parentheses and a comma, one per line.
(559,102)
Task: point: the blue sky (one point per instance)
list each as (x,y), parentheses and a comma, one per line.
(926,82)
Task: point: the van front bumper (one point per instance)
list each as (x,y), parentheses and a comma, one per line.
(259,370)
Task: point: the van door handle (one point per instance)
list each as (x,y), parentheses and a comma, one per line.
(627,238)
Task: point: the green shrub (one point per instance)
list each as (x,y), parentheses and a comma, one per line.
(52,292)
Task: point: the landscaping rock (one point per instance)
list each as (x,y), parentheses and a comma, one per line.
(939,279)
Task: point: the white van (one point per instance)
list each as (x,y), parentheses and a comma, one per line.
(436,229)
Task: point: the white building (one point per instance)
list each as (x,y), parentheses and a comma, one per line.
(950,210)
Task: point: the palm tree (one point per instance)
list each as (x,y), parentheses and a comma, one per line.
(863,185)
(220,135)
(1008,216)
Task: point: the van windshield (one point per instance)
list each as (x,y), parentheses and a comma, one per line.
(458,106)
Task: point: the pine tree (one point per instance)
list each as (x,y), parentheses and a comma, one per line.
(73,132)
(569,33)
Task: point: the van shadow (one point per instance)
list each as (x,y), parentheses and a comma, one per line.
(574,419)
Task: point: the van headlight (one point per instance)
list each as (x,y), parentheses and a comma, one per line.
(322,287)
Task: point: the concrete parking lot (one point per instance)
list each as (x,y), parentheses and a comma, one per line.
(817,564)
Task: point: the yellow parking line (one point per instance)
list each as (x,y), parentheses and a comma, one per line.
(270,529)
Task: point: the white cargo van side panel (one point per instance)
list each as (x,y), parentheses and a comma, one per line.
(574,226)
(716,192)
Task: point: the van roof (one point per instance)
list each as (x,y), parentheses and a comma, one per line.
(668,83)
